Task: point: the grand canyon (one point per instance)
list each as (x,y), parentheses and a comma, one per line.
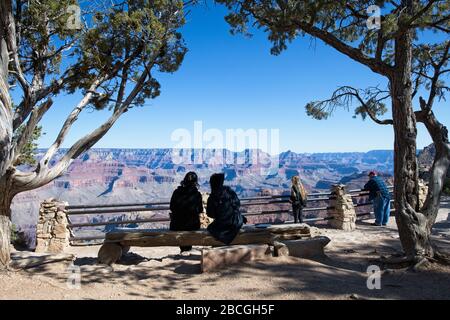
(108,176)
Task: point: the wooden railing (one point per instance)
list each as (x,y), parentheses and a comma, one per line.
(163,206)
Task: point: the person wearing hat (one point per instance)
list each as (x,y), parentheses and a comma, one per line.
(380,196)
(186,205)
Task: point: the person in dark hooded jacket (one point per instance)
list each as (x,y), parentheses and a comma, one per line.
(186,205)
(223,206)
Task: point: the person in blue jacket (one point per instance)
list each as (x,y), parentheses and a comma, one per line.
(379,194)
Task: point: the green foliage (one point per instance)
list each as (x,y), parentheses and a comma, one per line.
(117,33)
(372,106)
(283,20)
(314,110)
(106,53)
(111,33)
(18,238)
(343,24)
(369,100)
(13,233)
(426,58)
(446,189)
(42,25)
(27,156)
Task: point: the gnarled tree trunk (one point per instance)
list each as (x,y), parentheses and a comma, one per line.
(6,134)
(441,163)
(5,237)
(5,99)
(436,182)
(5,227)
(412,225)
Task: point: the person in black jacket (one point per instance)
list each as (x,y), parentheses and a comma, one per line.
(223,206)
(297,199)
(186,205)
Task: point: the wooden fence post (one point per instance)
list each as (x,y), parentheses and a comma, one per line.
(342,209)
(52,232)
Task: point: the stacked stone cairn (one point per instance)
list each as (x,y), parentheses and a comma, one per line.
(52,233)
(342,209)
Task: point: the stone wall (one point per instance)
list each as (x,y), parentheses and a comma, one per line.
(342,211)
(52,232)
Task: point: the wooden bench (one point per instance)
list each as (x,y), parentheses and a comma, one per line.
(119,241)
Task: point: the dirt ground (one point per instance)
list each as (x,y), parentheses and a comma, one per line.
(161,273)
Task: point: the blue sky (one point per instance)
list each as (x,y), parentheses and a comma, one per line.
(231,82)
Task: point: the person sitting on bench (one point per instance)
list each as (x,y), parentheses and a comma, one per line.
(223,206)
(186,205)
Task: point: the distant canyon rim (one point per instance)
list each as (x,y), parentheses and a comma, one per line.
(106,176)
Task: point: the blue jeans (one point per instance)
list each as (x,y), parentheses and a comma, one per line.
(382,209)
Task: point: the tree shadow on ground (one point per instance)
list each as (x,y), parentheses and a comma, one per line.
(129,259)
(319,280)
(359,257)
(338,276)
(442,226)
(445,202)
(188,269)
(441,234)
(137,276)
(342,273)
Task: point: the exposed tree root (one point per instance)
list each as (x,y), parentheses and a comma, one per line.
(414,263)
(422,265)
(442,258)
(397,261)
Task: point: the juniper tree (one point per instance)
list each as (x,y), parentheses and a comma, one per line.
(398,49)
(109,52)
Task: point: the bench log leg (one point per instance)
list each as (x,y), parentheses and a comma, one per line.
(280,249)
(109,253)
(307,248)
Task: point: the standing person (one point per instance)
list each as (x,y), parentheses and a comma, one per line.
(186,205)
(379,194)
(298,199)
(223,206)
